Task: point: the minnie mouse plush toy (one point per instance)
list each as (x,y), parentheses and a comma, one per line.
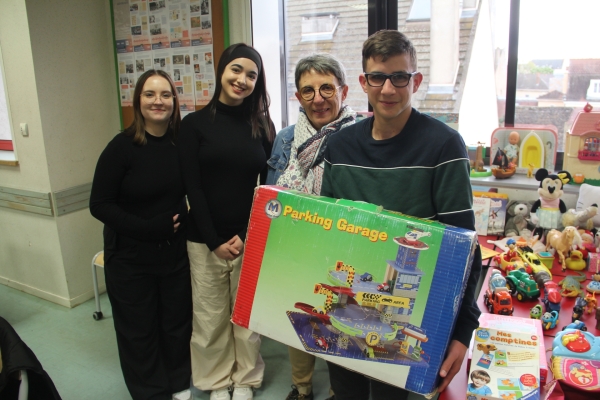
(546,212)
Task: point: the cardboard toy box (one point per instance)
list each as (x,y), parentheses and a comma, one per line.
(519,325)
(505,366)
(372,290)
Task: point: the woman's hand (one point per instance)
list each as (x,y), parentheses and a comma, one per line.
(175,225)
(230,250)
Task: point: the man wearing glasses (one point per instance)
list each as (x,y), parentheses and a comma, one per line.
(407,162)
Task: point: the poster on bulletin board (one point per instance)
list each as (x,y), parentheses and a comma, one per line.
(175,36)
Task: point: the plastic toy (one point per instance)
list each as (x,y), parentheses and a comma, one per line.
(552,297)
(497,297)
(535,264)
(512,148)
(578,308)
(571,285)
(561,242)
(575,261)
(577,324)
(579,157)
(322,343)
(477,166)
(575,359)
(510,259)
(547,211)
(502,167)
(535,312)
(549,320)
(522,285)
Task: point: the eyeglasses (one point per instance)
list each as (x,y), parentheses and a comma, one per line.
(150,97)
(326,91)
(399,79)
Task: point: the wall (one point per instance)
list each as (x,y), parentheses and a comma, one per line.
(59,69)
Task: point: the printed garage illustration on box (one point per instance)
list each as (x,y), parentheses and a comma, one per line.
(372,290)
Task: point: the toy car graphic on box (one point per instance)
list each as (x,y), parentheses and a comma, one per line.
(504,365)
(372,290)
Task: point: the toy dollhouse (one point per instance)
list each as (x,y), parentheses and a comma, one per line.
(582,145)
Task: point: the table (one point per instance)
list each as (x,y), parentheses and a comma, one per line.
(457,388)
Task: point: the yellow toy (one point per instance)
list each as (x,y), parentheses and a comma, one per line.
(575,262)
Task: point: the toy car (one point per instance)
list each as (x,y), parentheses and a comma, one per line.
(384,287)
(522,285)
(576,325)
(515,263)
(497,297)
(321,342)
(549,320)
(552,297)
(366,277)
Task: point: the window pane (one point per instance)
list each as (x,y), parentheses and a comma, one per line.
(462,53)
(326,26)
(559,62)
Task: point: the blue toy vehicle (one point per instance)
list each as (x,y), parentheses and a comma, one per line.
(577,324)
(549,320)
(366,277)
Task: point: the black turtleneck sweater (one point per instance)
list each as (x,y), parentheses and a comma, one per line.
(220,163)
(136,191)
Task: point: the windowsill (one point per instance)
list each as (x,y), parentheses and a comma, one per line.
(517,182)
(8,158)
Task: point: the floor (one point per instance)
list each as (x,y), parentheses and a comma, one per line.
(80,354)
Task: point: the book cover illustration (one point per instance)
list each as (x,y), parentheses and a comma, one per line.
(481,208)
(505,366)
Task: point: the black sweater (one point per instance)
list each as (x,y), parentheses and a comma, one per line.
(221,163)
(136,192)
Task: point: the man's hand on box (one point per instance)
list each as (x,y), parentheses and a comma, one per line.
(452,363)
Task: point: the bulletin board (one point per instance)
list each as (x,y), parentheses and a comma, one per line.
(184,38)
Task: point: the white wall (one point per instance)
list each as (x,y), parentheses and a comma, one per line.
(478,107)
(60,79)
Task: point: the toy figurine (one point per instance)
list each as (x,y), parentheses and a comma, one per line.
(512,148)
(547,211)
(512,252)
(580,304)
(562,242)
(591,305)
(535,312)
(549,320)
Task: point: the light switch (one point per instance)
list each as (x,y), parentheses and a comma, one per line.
(24,130)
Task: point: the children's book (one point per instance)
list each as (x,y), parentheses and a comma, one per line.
(497,214)
(505,365)
(481,208)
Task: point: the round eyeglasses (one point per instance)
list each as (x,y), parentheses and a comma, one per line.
(326,91)
(151,97)
(399,79)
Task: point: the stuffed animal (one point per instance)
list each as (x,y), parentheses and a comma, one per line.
(580,219)
(517,218)
(546,212)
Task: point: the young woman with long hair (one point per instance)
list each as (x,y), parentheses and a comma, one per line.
(138,194)
(224,149)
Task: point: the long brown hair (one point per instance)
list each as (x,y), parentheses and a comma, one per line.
(256,106)
(137,129)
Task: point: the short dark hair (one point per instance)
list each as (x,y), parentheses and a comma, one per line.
(322,64)
(481,375)
(386,44)
(137,129)
(256,106)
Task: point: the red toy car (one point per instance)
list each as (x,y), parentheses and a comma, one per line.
(321,342)
(384,287)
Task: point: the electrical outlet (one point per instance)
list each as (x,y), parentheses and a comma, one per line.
(24,130)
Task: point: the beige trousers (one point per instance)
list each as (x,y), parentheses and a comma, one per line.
(222,353)
(303,367)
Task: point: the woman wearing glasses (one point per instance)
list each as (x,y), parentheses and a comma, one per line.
(139,195)
(223,149)
(297,159)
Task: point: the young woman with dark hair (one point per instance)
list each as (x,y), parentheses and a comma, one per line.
(138,194)
(223,150)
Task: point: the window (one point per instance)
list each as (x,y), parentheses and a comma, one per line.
(6,143)
(320,26)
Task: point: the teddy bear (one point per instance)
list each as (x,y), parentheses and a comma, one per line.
(517,218)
